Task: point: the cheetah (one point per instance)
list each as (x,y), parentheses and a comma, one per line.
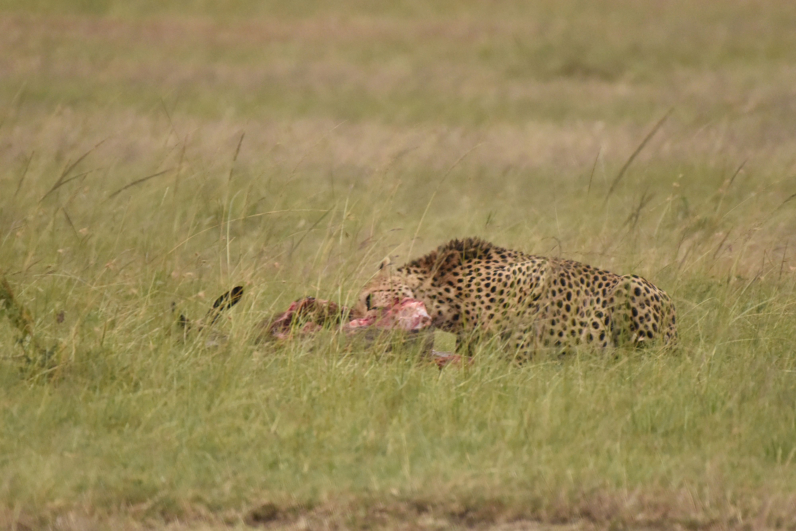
(475,289)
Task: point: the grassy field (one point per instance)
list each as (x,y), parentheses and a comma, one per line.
(155,154)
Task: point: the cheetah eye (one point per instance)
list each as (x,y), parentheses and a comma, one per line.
(368,301)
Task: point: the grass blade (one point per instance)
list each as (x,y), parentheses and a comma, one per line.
(635,153)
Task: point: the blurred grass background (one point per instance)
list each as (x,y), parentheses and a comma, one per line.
(161,152)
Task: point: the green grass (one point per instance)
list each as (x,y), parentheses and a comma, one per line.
(161,153)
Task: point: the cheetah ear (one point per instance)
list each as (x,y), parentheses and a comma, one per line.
(385,269)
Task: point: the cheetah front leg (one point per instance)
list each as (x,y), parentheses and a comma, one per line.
(465,343)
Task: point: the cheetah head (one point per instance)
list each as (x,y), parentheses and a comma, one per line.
(382,292)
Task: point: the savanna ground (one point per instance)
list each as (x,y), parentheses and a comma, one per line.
(156,153)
